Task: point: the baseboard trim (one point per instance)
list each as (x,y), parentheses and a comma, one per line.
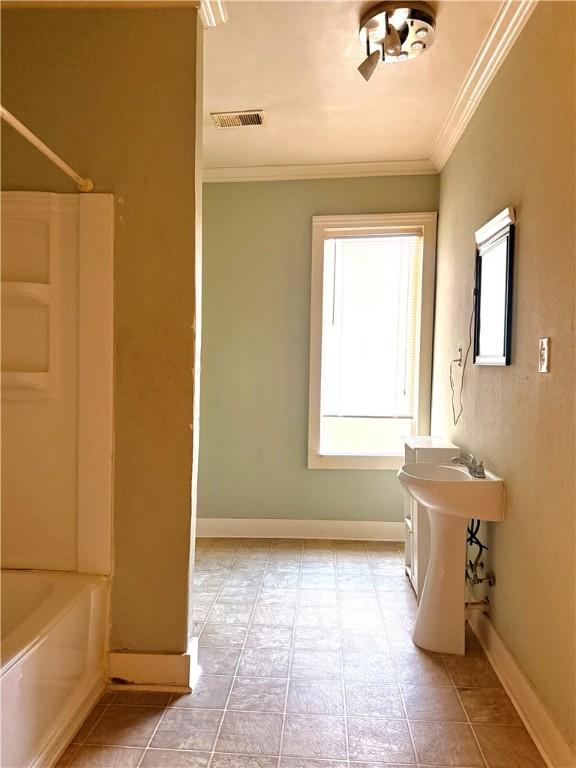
(555,750)
(170,672)
(220,527)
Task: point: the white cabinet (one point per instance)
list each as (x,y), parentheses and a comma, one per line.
(437,450)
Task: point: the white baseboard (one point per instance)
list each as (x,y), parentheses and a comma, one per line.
(555,749)
(268,528)
(171,672)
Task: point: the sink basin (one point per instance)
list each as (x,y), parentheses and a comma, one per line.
(451,497)
(451,489)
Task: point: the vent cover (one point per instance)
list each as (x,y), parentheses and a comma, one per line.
(237,119)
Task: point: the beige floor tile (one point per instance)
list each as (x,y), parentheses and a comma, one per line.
(374,700)
(316,639)
(243,579)
(489,705)
(222,636)
(66,756)
(250,733)
(432,702)
(471,671)
(274,615)
(225,613)
(325,598)
(317,616)
(303,762)
(369,667)
(368,640)
(162,758)
(446,744)
(421,669)
(281,579)
(316,665)
(125,726)
(142,698)
(106,757)
(258,694)
(382,765)
(508,746)
(243,761)
(89,724)
(362,619)
(264,662)
(210,692)
(183,728)
(315,697)
(237,595)
(218,661)
(209,579)
(315,737)
(315,580)
(262,636)
(374,740)
(282,596)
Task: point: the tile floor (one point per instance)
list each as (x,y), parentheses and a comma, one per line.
(308,662)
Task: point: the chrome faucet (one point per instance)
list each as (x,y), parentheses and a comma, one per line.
(475,468)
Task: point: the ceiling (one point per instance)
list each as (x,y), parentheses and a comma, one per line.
(298,62)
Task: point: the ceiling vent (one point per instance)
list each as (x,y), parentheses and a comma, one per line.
(238,119)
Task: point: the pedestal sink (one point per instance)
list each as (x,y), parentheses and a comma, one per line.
(452,497)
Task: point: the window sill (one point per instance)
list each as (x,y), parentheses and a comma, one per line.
(334,461)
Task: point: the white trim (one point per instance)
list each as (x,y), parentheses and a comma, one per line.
(555,749)
(498,222)
(320,171)
(268,528)
(212,13)
(95,382)
(510,21)
(324,227)
(153,671)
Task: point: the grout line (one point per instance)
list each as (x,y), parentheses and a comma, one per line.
(288,682)
(470,724)
(235,675)
(106,707)
(339,610)
(166,708)
(410,734)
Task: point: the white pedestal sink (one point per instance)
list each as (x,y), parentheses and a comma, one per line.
(452,497)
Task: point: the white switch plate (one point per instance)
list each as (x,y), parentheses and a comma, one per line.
(543,355)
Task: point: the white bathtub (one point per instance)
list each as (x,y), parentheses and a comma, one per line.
(53,635)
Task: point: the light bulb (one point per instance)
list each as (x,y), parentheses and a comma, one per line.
(422,32)
(417,45)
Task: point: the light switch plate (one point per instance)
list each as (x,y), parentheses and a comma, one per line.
(544,355)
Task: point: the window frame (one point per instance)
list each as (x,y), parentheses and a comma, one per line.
(328,227)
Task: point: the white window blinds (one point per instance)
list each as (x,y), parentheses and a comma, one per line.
(369,307)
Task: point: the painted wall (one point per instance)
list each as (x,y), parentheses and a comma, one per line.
(518,150)
(256,316)
(113,91)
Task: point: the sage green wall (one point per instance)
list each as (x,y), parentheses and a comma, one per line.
(519,150)
(256,316)
(113,91)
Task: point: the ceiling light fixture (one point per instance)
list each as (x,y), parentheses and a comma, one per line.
(394,32)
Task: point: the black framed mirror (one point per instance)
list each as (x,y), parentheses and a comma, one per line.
(493,290)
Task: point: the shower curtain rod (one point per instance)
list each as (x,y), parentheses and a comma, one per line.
(83,184)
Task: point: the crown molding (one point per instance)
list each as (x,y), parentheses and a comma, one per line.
(510,21)
(320,171)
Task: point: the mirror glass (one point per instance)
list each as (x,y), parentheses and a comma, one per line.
(494,300)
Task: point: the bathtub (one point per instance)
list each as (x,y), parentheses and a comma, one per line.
(52,672)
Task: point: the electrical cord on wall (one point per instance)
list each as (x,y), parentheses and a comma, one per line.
(463,363)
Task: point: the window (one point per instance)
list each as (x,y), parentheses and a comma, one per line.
(371,337)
